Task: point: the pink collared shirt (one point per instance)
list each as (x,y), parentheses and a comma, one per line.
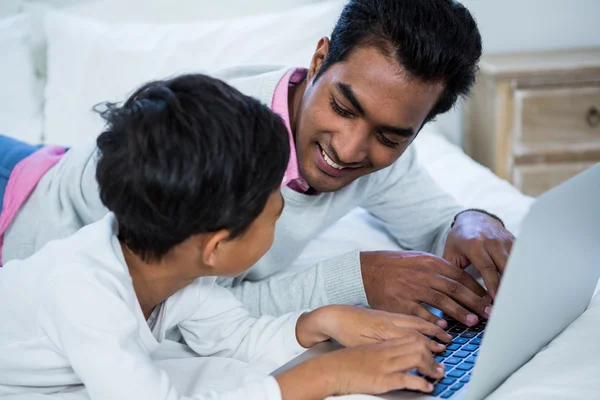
(280,106)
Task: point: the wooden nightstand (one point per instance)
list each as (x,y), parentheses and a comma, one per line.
(534,118)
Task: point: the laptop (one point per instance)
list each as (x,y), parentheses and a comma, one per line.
(549,280)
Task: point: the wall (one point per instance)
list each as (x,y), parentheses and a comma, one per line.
(526,25)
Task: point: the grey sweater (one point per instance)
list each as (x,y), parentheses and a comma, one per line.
(404,197)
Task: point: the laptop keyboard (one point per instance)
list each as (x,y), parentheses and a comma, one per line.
(459,357)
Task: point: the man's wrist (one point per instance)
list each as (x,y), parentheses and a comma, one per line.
(476,210)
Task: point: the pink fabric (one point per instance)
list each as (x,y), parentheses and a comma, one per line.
(23,179)
(280,106)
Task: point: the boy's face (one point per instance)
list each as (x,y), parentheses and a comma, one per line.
(241,253)
(358,117)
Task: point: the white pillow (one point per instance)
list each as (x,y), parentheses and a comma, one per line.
(159,11)
(91,61)
(21,92)
(179,11)
(37,10)
(9,8)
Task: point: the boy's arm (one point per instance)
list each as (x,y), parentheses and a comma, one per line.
(222,326)
(92,326)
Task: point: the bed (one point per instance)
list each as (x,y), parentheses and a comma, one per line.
(61,61)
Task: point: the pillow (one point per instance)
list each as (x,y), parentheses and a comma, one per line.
(37,10)
(91,61)
(179,11)
(9,8)
(138,11)
(21,95)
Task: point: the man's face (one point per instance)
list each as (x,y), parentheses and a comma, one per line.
(358,117)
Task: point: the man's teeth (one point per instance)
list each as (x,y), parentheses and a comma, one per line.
(330,161)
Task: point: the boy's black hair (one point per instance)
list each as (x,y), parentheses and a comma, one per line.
(185,156)
(435,41)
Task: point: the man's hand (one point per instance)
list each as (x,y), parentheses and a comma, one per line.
(479,239)
(399,281)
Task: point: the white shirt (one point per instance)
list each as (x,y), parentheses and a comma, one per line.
(70,316)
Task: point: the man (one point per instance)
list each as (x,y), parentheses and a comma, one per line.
(390,67)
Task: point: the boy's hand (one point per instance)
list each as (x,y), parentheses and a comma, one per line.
(368,369)
(352,326)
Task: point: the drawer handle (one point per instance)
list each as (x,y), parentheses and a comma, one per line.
(593,117)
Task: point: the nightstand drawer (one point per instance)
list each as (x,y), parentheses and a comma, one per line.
(535,179)
(557,116)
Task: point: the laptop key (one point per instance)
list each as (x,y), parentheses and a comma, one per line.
(480,335)
(448,394)
(461,354)
(456,373)
(466,379)
(460,340)
(446,353)
(465,366)
(452,360)
(476,341)
(471,360)
(439,359)
(470,347)
(448,381)
(458,386)
(453,347)
(439,388)
(469,335)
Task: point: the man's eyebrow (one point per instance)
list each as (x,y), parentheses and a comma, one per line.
(350,96)
(404,132)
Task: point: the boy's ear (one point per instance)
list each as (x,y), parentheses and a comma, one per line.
(213,247)
(318,57)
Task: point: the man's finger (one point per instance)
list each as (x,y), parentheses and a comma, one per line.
(419,311)
(499,255)
(488,270)
(457,274)
(462,295)
(445,303)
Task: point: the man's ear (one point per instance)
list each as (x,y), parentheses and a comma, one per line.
(318,58)
(213,247)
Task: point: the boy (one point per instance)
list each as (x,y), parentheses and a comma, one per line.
(189,170)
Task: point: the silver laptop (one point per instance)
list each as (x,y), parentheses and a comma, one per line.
(549,281)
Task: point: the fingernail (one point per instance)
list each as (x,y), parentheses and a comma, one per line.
(441,346)
(471,319)
(441,323)
(488,311)
(429,387)
(440,370)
